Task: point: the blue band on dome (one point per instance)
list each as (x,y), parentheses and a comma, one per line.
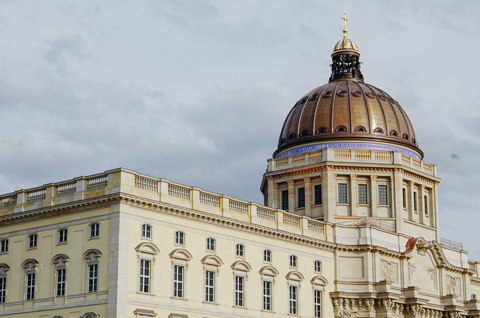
(348,145)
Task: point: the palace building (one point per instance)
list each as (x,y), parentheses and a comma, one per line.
(349,228)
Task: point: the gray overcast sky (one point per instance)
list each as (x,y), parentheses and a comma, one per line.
(196,91)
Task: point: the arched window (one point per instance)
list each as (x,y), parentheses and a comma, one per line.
(341,129)
(32,241)
(90,315)
(62,236)
(210,244)
(267,256)
(146,231)
(92,256)
(240,250)
(179,238)
(94,230)
(293,261)
(318,267)
(360,129)
(378,131)
(4,246)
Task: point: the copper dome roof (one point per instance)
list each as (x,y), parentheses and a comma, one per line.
(347,109)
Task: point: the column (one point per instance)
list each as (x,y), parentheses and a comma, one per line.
(421,204)
(276,203)
(308,196)
(353,195)
(410,200)
(270,195)
(291,196)
(374,195)
(328,194)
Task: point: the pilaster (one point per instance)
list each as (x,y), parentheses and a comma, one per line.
(437,218)
(421,204)
(353,194)
(81,188)
(276,193)
(328,195)
(410,200)
(374,195)
(308,196)
(291,196)
(271,195)
(397,200)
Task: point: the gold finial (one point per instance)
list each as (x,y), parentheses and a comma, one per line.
(345,25)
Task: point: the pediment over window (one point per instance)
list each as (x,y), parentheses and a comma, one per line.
(90,315)
(92,256)
(60,261)
(181,254)
(30,265)
(295,275)
(4,268)
(319,280)
(147,247)
(268,271)
(241,266)
(212,260)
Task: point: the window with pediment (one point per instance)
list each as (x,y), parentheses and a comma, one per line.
(146,253)
(4,268)
(240,269)
(30,265)
(180,259)
(211,267)
(268,274)
(93,262)
(60,261)
(318,285)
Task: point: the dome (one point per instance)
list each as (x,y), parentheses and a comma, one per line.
(345,45)
(347,110)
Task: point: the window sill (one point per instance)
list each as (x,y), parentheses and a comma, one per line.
(1,253)
(147,238)
(180,245)
(265,262)
(209,302)
(178,298)
(343,204)
(62,243)
(144,293)
(270,311)
(31,248)
(363,205)
(317,205)
(240,307)
(383,206)
(94,238)
(240,257)
(293,267)
(209,251)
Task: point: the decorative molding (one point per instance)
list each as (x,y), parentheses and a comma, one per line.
(4,268)
(291,182)
(60,261)
(147,247)
(389,271)
(241,266)
(92,255)
(30,265)
(373,177)
(90,315)
(307,179)
(353,177)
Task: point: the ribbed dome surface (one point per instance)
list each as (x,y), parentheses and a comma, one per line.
(345,45)
(347,110)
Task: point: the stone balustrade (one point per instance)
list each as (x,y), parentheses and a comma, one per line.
(130,182)
(353,156)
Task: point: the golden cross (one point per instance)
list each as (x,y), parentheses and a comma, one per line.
(345,25)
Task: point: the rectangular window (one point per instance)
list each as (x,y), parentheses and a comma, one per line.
(342,193)
(404,193)
(267,295)
(210,287)
(318,266)
(30,292)
(285,200)
(178,281)
(382,195)
(362,193)
(240,250)
(301,197)
(62,236)
(317,300)
(4,248)
(144,276)
(414,201)
(318,194)
(61,279)
(267,256)
(3,289)
(293,300)
(92,278)
(239,291)
(426,205)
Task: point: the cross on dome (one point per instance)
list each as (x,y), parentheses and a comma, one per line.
(344,25)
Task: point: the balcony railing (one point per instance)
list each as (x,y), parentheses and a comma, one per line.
(451,244)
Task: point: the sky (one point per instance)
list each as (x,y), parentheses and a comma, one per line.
(196,91)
